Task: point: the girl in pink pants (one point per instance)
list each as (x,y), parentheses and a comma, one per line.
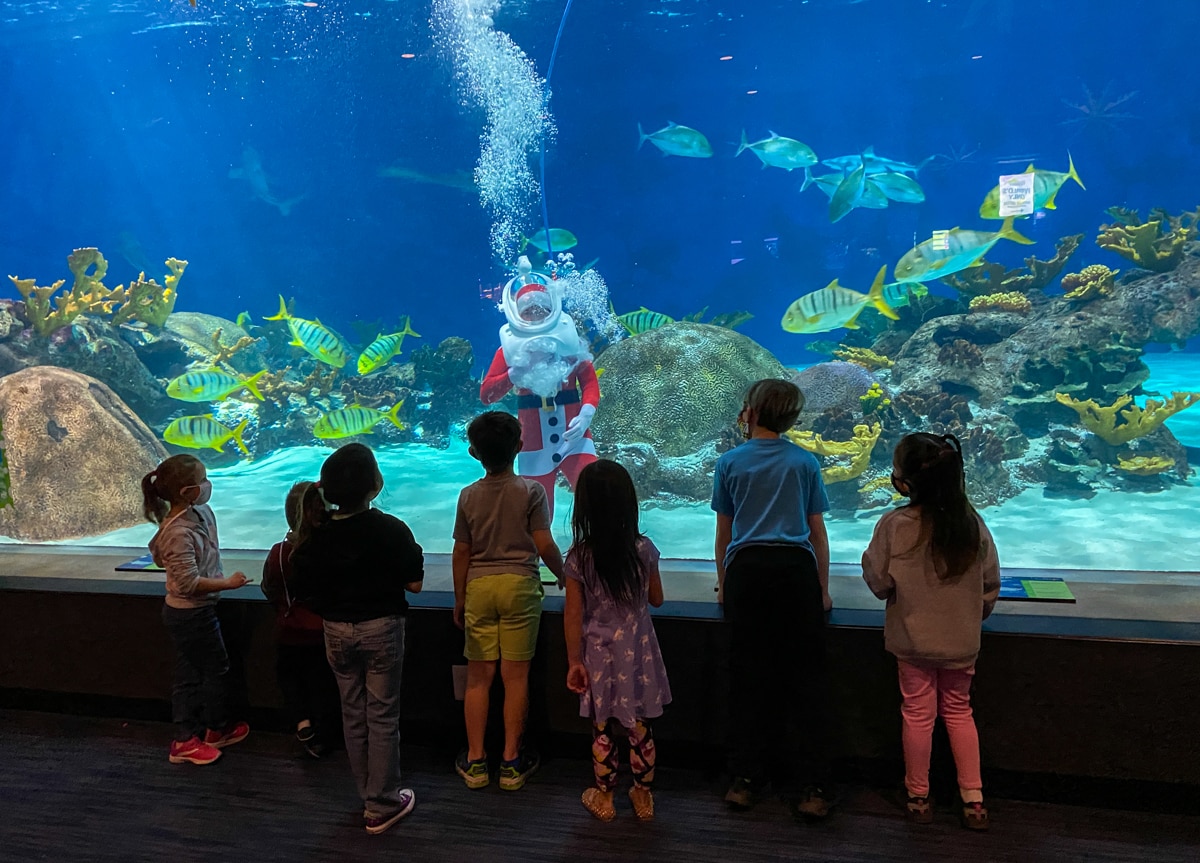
(934,562)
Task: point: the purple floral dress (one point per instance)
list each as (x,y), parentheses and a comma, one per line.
(627,680)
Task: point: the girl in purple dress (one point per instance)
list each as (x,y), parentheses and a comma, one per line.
(614,661)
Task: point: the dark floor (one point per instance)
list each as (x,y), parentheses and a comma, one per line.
(94,790)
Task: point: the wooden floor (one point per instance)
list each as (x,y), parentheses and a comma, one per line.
(97,790)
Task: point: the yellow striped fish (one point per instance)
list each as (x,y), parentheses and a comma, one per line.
(834,306)
(203,431)
(354,420)
(313,336)
(211,385)
(381,351)
(642,320)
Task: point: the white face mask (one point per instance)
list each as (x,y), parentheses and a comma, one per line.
(205,493)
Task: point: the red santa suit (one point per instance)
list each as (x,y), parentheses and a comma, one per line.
(557,390)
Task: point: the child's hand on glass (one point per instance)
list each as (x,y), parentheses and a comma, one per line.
(577,678)
(238,579)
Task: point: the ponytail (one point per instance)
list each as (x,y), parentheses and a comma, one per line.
(153,506)
(312,515)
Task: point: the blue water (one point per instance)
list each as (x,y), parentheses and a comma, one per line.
(124,120)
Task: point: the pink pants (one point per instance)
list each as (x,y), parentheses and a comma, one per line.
(928,692)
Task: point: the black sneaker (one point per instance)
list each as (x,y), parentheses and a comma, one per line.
(514,773)
(742,794)
(813,805)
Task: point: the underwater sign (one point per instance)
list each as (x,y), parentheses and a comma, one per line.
(1016,195)
(5,484)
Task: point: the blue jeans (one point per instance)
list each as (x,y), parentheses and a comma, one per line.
(198,697)
(367,659)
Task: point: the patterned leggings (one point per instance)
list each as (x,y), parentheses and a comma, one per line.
(605,757)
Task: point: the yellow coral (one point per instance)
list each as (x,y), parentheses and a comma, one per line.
(1145,465)
(1102,421)
(1148,245)
(1011,301)
(858,449)
(1090,282)
(864,357)
(149,302)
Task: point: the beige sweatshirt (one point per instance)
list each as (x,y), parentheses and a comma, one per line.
(929,621)
(186,547)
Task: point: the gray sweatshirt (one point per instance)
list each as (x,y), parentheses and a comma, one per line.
(186,547)
(929,621)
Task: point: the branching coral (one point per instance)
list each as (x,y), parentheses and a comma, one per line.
(1142,465)
(1090,282)
(1155,245)
(1010,301)
(223,353)
(1034,276)
(858,449)
(916,410)
(276,386)
(960,352)
(864,357)
(143,300)
(873,400)
(1102,421)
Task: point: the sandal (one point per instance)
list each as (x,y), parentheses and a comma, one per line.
(599,803)
(918,810)
(643,802)
(974,816)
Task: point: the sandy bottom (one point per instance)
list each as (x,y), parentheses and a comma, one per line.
(1114,530)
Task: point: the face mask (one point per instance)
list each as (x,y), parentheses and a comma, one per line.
(897,483)
(205,493)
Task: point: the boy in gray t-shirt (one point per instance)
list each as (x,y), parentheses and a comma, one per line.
(501,528)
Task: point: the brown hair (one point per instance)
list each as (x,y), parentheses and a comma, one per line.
(777,403)
(291,505)
(495,438)
(932,465)
(161,487)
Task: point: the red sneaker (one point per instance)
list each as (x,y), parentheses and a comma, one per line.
(234,733)
(194,751)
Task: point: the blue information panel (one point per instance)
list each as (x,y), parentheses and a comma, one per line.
(1035,589)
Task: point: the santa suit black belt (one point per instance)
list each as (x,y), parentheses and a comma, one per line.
(563,397)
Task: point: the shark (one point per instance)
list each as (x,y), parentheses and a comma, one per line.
(459,180)
(252,172)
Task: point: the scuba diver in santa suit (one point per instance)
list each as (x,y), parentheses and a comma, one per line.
(542,355)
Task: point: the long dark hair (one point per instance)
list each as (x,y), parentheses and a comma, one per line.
(932,465)
(605,532)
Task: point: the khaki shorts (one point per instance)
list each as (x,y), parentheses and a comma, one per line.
(502,615)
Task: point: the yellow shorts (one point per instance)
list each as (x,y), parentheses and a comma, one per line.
(502,615)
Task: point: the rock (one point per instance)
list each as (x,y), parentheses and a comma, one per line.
(76,455)
(678,387)
(685,478)
(187,339)
(445,374)
(832,386)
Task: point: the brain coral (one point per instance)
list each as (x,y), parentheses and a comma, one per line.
(835,385)
(677,387)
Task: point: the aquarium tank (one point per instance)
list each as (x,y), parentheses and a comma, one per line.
(254,231)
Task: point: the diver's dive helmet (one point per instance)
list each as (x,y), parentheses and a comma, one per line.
(532,302)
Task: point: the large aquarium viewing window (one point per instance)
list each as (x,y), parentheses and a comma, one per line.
(255,231)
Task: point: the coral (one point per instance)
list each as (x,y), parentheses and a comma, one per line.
(835,423)
(1009,301)
(1138,421)
(5,482)
(962,353)
(834,384)
(678,388)
(1090,282)
(149,302)
(1156,245)
(864,357)
(941,407)
(874,400)
(880,483)
(1034,276)
(857,448)
(277,386)
(223,353)
(1145,465)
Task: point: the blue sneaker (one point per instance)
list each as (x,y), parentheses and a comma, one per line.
(474,773)
(514,773)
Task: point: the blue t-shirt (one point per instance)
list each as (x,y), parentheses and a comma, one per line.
(769,486)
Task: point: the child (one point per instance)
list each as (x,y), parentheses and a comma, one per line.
(614,661)
(772,556)
(935,564)
(501,528)
(308,687)
(352,565)
(175,497)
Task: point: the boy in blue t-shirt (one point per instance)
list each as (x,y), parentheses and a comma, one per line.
(772,557)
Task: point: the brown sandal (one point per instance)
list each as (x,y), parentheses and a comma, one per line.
(643,802)
(974,816)
(599,803)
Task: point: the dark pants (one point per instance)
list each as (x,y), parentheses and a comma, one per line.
(198,698)
(309,689)
(778,688)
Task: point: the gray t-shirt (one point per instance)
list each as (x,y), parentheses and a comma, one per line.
(497,516)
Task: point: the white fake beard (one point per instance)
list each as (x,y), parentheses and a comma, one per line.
(531,369)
